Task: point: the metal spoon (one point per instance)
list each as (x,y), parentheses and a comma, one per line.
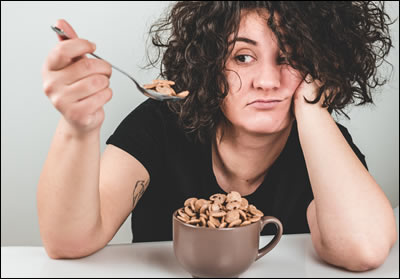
(151,94)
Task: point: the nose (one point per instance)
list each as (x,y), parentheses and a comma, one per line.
(268,77)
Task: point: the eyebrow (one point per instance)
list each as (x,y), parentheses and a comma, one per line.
(246,40)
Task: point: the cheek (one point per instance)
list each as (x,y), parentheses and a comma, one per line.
(234,81)
(290,80)
(260,121)
(228,107)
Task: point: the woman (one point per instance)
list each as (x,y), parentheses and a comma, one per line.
(263,78)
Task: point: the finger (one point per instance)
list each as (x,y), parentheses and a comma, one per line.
(64,53)
(67,28)
(82,69)
(86,87)
(94,102)
(307,83)
(318,83)
(69,31)
(310,79)
(57,81)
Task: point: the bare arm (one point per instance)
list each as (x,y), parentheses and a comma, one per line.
(68,196)
(123,181)
(351,221)
(82,200)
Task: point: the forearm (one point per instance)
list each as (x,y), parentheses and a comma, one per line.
(351,209)
(68,191)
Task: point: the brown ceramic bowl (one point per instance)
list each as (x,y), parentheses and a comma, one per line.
(225,252)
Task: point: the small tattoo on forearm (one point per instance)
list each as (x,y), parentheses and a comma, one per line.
(138,190)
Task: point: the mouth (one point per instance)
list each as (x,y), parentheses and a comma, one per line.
(264,103)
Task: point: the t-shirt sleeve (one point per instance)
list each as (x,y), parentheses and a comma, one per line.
(140,134)
(349,140)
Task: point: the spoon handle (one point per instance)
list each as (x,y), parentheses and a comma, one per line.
(65,37)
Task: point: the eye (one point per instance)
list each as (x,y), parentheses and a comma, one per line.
(243,58)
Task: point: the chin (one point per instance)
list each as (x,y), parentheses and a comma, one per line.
(267,126)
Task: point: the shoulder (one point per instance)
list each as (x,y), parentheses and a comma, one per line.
(150,120)
(151,116)
(144,133)
(152,109)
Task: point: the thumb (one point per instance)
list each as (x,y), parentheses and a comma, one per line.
(64,25)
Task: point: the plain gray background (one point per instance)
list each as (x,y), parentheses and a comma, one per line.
(119,29)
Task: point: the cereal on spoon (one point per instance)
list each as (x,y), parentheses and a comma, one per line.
(164,87)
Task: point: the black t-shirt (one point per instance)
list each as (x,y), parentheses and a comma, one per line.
(180,169)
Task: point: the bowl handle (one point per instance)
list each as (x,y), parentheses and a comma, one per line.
(264,221)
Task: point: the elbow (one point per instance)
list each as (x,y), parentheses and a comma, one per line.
(372,255)
(358,253)
(355,256)
(359,258)
(75,250)
(367,258)
(58,252)
(72,246)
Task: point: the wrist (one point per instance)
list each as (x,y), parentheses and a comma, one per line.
(306,110)
(71,132)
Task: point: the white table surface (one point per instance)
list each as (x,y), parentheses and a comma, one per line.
(294,256)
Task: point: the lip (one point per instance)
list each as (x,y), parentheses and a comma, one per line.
(265,104)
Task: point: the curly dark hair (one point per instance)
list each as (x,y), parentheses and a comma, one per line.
(341,43)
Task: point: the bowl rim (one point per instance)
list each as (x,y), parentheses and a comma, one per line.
(174,216)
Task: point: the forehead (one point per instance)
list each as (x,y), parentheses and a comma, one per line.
(253,19)
(253,25)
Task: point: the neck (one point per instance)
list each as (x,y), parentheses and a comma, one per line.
(241,160)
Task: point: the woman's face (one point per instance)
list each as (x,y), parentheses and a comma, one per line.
(260,101)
